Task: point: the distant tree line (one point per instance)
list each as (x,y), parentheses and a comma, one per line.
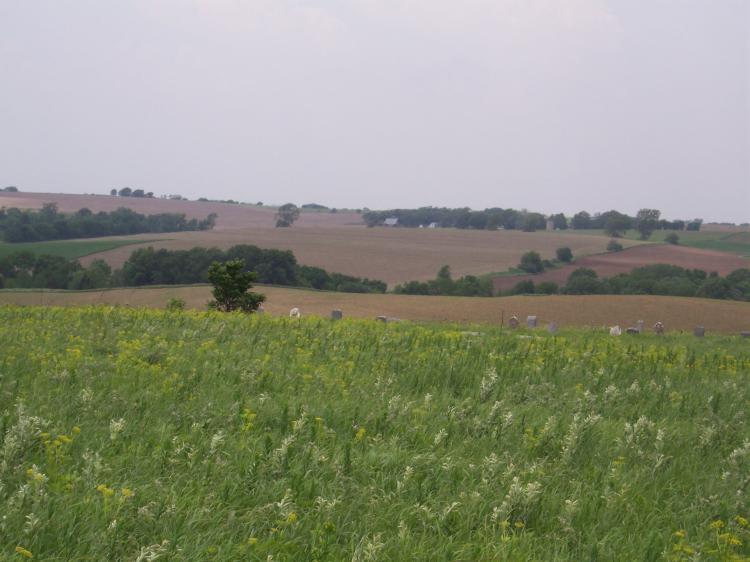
(26,270)
(465,218)
(17,225)
(147,266)
(128,192)
(656,279)
(613,222)
(444,284)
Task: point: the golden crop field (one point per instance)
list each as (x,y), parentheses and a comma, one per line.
(677,313)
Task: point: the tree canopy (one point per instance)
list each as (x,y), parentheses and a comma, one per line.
(286,215)
(232,287)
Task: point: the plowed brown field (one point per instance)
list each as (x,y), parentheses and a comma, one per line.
(600,310)
(610,264)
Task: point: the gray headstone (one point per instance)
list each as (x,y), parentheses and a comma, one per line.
(745,334)
(336,314)
(552,328)
(531,321)
(381,318)
(513,322)
(699,331)
(659,328)
(632,331)
(639,325)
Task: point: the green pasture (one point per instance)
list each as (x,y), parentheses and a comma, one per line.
(132,434)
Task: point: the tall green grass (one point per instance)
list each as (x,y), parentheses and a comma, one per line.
(143,435)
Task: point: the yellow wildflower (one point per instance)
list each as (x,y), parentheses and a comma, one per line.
(127,493)
(252,541)
(729,538)
(292,517)
(105,491)
(718,524)
(519,524)
(34,474)
(679,534)
(76,429)
(23,552)
(361,432)
(741,521)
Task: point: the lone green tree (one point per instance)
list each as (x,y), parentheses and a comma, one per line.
(564,254)
(231,287)
(646,222)
(286,215)
(531,262)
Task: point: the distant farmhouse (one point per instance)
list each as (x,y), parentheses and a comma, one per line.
(390,221)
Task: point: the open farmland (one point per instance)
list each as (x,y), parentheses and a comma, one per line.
(335,241)
(677,313)
(340,242)
(145,435)
(394,255)
(607,265)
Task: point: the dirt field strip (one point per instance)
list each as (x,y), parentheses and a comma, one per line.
(677,313)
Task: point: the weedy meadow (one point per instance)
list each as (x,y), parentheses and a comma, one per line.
(141,435)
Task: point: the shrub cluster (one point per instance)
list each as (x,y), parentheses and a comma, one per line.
(444,284)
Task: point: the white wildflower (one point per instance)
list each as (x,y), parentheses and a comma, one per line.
(115,428)
(489,381)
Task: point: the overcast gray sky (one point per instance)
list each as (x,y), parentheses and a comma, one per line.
(551,105)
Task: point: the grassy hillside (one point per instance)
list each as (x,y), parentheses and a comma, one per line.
(69,249)
(144,435)
(732,242)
